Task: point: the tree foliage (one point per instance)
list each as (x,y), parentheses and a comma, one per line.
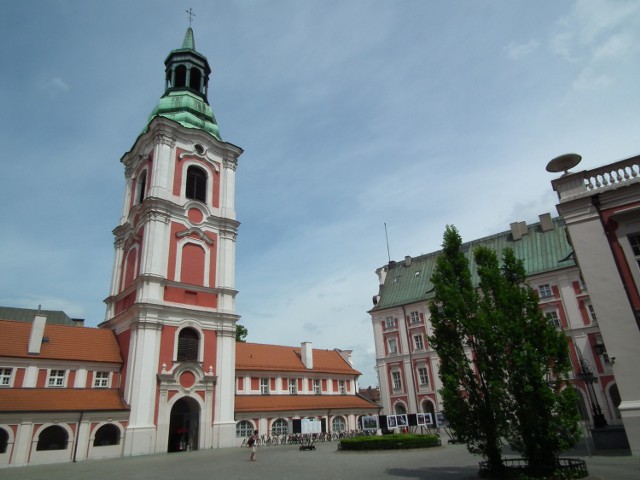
(503,366)
(241,333)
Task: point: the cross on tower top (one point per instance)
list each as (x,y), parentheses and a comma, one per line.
(191,15)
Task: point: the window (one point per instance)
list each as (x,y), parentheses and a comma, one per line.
(244,428)
(396,380)
(423,376)
(107,435)
(338,424)
(293,386)
(634,240)
(188,341)
(389,322)
(415,317)
(341,387)
(545,291)
(5,377)
(418,343)
(264,386)
(141,187)
(4,440)
(317,389)
(53,438)
(280,427)
(56,378)
(196,187)
(393,345)
(101,380)
(553,318)
(592,313)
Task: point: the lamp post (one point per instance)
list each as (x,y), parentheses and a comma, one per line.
(586,375)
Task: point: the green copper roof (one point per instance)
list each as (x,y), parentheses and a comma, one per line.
(189,110)
(26,315)
(540,251)
(189,41)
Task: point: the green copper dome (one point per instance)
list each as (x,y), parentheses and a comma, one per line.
(187,81)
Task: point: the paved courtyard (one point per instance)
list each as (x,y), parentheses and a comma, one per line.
(450,462)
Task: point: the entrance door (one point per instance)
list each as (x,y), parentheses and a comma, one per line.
(183,426)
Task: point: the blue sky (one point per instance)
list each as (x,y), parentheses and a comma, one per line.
(351,114)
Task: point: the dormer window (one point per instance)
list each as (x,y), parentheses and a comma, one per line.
(196,186)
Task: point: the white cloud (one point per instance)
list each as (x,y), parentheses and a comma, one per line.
(55,86)
(520,51)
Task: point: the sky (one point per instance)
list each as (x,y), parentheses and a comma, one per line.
(351,114)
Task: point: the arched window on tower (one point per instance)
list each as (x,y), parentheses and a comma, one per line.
(188,341)
(141,187)
(196,187)
(180,79)
(195,78)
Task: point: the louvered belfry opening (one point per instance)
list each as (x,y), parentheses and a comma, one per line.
(188,345)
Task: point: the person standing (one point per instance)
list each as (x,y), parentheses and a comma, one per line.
(253,444)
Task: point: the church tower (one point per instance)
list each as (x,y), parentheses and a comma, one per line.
(172,295)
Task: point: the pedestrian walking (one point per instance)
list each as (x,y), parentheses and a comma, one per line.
(253,445)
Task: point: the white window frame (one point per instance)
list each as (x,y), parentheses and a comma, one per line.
(6,377)
(317,386)
(264,386)
(418,342)
(545,290)
(293,386)
(55,380)
(101,379)
(554,318)
(415,317)
(392,344)
(592,313)
(389,322)
(341,387)
(396,380)
(423,376)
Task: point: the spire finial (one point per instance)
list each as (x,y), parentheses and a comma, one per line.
(191,15)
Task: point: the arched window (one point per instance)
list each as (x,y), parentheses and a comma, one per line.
(4,440)
(400,409)
(196,187)
(180,76)
(338,424)
(53,438)
(194,79)
(106,435)
(188,341)
(427,407)
(280,427)
(244,428)
(141,187)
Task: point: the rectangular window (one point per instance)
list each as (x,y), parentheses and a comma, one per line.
(341,387)
(396,380)
(56,378)
(317,389)
(592,313)
(293,386)
(423,376)
(553,318)
(101,380)
(545,291)
(634,240)
(415,317)
(393,345)
(389,322)
(5,377)
(418,343)
(264,386)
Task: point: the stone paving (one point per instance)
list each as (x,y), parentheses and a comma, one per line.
(449,462)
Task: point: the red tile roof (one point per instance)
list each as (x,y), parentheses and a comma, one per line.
(271,403)
(63,342)
(60,400)
(258,356)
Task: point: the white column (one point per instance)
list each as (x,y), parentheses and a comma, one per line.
(162,171)
(223,422)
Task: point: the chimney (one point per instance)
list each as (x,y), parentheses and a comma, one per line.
(546,224)
(306,355)
(518,230)
(37,333)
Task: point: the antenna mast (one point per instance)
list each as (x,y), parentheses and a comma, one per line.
(387,237)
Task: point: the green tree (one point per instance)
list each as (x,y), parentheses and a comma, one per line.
(241,333)
(517,387)
(473,390)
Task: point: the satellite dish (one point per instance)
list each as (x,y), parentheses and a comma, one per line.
(563,163)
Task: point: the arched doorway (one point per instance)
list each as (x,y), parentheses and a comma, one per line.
(183,426)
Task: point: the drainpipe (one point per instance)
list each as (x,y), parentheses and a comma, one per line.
(75,447)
